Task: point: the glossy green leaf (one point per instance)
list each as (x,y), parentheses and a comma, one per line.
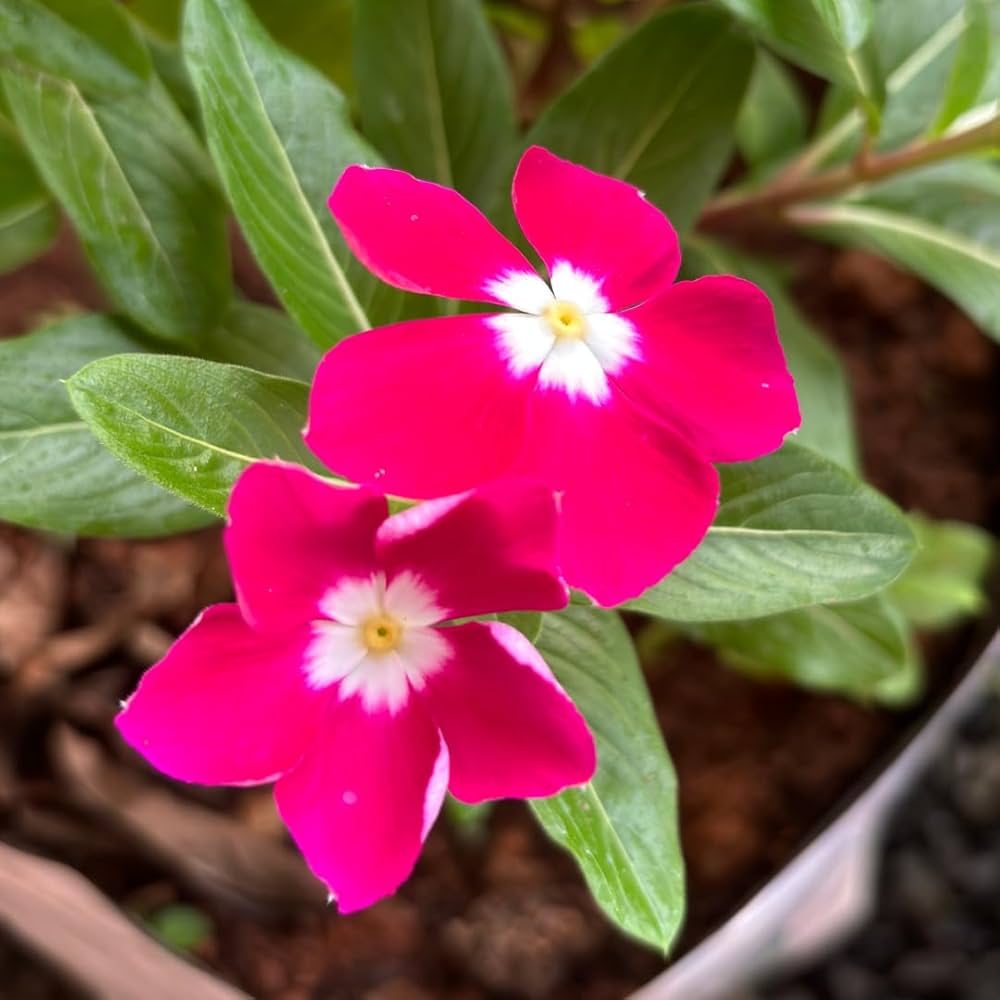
(773,120)
(264,339)
(970,67)
(137,187)
(944,583)
(29,220)
(189,425)
(853,649)
(820,383)
(793,529)
(622,826)
(55,474)
(434,92)
(281,135)
(658,110)
(826,37)
(942,223)
(89,42)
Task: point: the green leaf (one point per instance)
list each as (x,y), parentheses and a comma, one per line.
(139,192)
(434,92)
(826,37)
(89,42)
(56,475)
(943,584)
(528,623)
(318,30)
(658,110)
(180,926)
(820,383)
(970,67)
(162,16)
(793,529)
(853,649)
(29,220)
(264,339)
(281,135)
(622,826)
(917,42)
(942,223)
(773,119)
(189,425)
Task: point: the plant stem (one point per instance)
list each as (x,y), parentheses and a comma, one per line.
(787,190)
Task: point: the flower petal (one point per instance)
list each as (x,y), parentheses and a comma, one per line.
(226,705)
(636,497)
(423,237)
(292,536)
(493,549)
(714,367)
(511,730)
(599,226)
(419,409)
(363,799)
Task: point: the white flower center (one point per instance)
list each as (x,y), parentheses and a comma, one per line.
(376,640)
(565,332)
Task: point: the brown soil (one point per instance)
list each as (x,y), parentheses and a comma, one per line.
(498,912)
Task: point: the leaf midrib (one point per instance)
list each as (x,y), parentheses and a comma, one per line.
(882,218)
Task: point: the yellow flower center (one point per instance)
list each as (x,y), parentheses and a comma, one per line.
(566,320)
(382,634)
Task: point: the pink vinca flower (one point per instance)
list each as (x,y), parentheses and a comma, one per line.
(609,383)
(332,677)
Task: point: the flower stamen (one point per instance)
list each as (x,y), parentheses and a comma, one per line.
(382,634)
(566,319)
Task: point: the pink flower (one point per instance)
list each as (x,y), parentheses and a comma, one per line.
(332,677)
(609,383)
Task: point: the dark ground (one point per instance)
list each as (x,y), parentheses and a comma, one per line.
(502,914)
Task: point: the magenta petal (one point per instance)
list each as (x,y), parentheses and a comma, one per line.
(714,367)
(225,706)
(511,730)
(599,225)
(419,409)
(490,550)
(636,498)
(363,799)
(292,536)
(421,236)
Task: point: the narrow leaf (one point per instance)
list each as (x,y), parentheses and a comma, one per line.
(280,134)
(138,190)
(434,92)
(189,425)
(56,475)
(793,529)
(91,43)
(943,223)
(916,43)
(622,826)
(658,109)
(970,67)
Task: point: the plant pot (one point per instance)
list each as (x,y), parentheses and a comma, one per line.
(827,890)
